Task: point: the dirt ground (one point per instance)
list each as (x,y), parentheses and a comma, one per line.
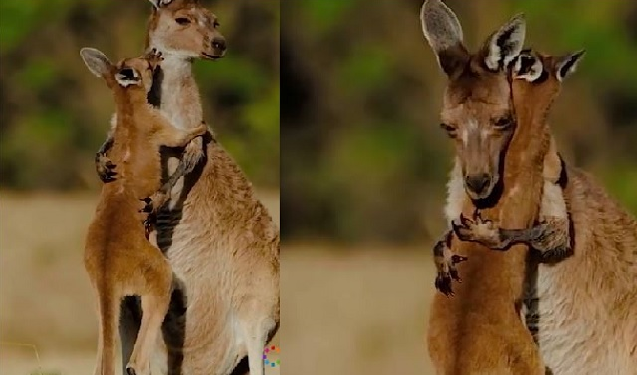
(344,311)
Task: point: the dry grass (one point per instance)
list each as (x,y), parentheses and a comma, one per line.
(358,311)
(45,296)
(344,311)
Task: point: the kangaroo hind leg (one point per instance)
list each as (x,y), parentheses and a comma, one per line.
(108,313)
(155,302)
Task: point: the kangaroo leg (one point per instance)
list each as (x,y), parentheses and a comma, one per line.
(108,318)
(255,334)
(129,324)
(99,363)
(154,307)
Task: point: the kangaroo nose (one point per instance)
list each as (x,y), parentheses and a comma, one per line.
(478,183)
(219,44)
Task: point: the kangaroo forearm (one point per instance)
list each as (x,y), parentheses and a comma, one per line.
(172,180)
(551,238)
(192,154)
(106,146)
(439,250)
(103,165)
(445,261)
(174,137)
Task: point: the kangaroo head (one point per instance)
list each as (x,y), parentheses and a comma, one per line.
(536,79)
(477,109)
(184,28)
(130,75)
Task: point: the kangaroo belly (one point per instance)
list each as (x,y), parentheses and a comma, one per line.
(203,259)
(576,336)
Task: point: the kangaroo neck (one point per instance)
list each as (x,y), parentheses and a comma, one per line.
(529,144)
(176,93)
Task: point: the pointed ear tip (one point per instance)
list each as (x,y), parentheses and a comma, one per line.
(519,18)
(428,4)
(86,50)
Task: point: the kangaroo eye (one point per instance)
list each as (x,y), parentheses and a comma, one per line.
(182,20)
(216,24)
(450,129)
(504,123)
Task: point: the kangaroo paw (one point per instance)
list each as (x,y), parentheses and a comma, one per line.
(105,168)
(479,230)
(446,262)
(148,205)
(443,284)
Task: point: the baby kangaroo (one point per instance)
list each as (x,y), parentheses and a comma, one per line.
(537,80)
(118,257)
(541,77)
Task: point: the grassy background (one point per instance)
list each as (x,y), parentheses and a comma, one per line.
(364,159)
(55,113)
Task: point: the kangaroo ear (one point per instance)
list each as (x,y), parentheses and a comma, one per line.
(159,3)
(444,34)
(127,76)
(566,65)
(96,61)
(162,3)
(527,66)
(506,43)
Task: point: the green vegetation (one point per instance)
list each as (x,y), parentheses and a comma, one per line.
(55,114)
(364,158)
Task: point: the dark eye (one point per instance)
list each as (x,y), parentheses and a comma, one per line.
(127,73)
(450,129)
(216,24)
(182,20)
(503,123)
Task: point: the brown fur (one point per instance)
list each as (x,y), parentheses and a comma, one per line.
(220,240)
(118,258)
(473,333)
(537,79)
(587,303)
(199,38)
(582,322)
(480,330)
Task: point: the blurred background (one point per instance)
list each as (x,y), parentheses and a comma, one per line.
(365,163)
(54,115)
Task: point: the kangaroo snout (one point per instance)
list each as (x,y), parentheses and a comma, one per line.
(219,46)
(478,184)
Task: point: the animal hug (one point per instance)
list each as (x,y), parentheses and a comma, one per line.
(182,257)
(546,258)
(536,271)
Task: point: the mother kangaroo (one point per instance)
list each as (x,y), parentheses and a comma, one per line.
(220,240)
(587,303)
